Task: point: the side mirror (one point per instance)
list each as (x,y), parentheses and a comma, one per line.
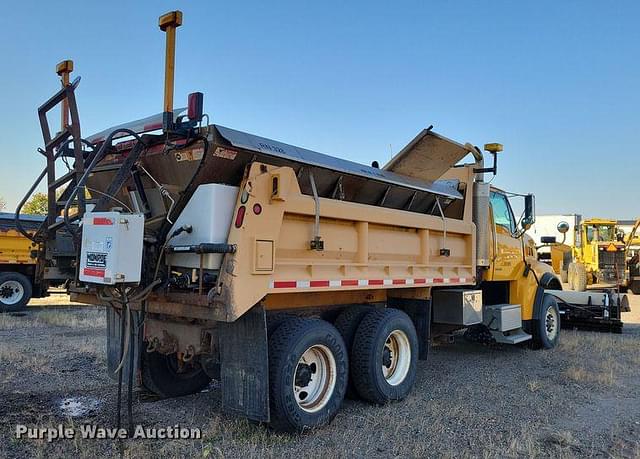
(562,227)
(529,212)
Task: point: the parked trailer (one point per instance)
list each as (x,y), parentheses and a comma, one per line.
(290,276)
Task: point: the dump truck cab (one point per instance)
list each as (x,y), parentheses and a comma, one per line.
(512,248)
(514,256)
(507,263)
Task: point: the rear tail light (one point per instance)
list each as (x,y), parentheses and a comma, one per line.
(257,209)
(195,106)
(240,216)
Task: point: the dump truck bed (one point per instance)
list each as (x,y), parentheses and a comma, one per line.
(379,230)
(230,151)
(14,247)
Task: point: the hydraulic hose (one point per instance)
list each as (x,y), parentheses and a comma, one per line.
(131,373)
(96,159)
(122,330)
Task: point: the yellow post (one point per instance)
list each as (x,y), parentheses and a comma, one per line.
(63,69)
(169,23)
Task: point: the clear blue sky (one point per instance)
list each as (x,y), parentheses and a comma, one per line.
(555,82)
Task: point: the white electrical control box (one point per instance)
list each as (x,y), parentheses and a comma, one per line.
(111,251)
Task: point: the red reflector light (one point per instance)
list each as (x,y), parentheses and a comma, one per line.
(240,216)
(257,209)
(102,221)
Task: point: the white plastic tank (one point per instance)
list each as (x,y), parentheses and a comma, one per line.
(209,212)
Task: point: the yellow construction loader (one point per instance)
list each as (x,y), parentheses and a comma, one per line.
(596,258)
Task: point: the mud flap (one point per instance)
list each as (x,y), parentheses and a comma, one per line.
(113,345)
(420,313)
(244,365)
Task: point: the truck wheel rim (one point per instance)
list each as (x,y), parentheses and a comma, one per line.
(315,378)
(11,292)
(396,357)
(551,323)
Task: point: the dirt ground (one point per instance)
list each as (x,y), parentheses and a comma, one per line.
(580,399)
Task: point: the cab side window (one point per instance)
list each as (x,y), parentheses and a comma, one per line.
(502,211)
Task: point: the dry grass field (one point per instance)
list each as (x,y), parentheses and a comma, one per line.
(581,399)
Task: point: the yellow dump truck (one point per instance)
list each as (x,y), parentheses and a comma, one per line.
(291,276)
(18,277)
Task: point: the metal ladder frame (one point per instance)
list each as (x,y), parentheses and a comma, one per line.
(52,151)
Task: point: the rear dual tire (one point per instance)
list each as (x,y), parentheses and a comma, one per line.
(308,374)
(310,362)
(384,356)
(347,324)
(162,375)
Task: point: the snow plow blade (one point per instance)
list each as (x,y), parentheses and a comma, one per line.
(596,311)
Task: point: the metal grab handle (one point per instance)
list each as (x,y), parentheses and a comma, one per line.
(23,202)
(494,236)
(444,224)
(316,243)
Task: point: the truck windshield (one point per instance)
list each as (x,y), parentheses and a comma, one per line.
(502,214)
(601,233)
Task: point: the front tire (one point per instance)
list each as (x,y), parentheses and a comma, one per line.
(546,327)
(162,375)
(564,276)
(15,292)
(308,374)
(384,356)
(578,277)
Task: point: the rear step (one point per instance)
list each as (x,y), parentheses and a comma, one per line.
(504,321)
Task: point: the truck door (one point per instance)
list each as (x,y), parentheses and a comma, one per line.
(507,250)
(590,247)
